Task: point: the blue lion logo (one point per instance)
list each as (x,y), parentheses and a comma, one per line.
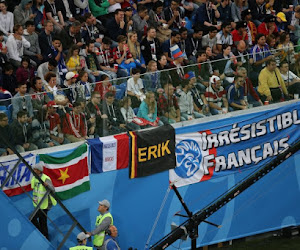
(189,156)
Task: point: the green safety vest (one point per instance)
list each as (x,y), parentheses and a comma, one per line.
(81,248)
(99,238)
(39,191)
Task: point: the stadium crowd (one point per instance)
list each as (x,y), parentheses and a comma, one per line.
(77,69)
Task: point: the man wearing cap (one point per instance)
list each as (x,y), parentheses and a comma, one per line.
(39,190)
(177,74)
(268,27)
(110,242)
(103,221)
(251,27)
(240,33)
(69,87)
(281,22)
(82,239)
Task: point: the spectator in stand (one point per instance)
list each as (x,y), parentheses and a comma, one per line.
(21,101)
(152,78)
(183,37)
(6,136)
(224,36)
(23,13)
(53,90)
(54,120)
(37,9)
(177,72)
(128,114)
(101,121)
(123,56)
(25,72)
(74,125)
(45,40)
(240,33)
(46,67)
(57,53)
(69,86)
(150,46)
(237,7)
(104,86)
(82,7)
(168,108)
(194,44)
(135,88)
(210,39)
(258,11)
(235,94)
(83,88)
(251,28)
(249,92)
(206,14)
(73,59)
(281,22)
(3,51)
(166,46)
(241,54)
(135,50)
(286,48)
(128,13)
(70,35)
(216,97)
(225,62)
(34,51)
(174,15)
(117,26)
(161,66)
(15,46)
(100,8)
(93,29)
(225,12)
(54,10)
(140,21)
(6,19)
(9,79)
(22,132)
(291,80)
(116,123)
(294,25)
(271,85)
(156,15)
(5,97)
(268,27)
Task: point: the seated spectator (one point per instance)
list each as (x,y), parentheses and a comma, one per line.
(99,8)
(271,86)
(117,26)
(167,45)
(93,29)
(162,67)
(235,94)
(224,36)
(294,25)
(74,125)
(128,13)
(25,72)
(5,97)
(225,62)
(216,97)
(291,80)
(21,101)
(168,108)
(174,15)
(3,51)
(241,54)
(206,14)
(73,59)
(249,92)
(186,102)
(34,51)
(281,22)
(116,123)
(83,88)
(286,48)
(150,46)
(135,50)
(237,7)
(240,33)
(210,39)
(23,13)
(22,132)
(268,27)
(123,56)
(53,90)
(57,54)
(225,12)
(140,20)
(69,86)
(128,114)
(15,46)
(6,19)
(54,10)
(183,37)
(129,5)
(194,44)
(258,11)
(177,72)
(70,35)
(271,41)
(148,111)
(82,7)
(9,79)
(251,28)
(152,78)
(45,40)
(37,9)
(6,136)
(104,86)
(46,67)
(101,121)
(135,88)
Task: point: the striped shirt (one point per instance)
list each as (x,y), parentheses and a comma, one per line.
(215,96)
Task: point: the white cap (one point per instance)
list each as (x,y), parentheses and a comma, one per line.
(71,75)
(82,236)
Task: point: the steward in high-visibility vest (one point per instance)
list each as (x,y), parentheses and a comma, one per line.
(82,239)
(103,221)
(40,218)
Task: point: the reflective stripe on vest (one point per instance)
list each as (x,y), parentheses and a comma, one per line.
(81,248)
(39,191)
(99,238)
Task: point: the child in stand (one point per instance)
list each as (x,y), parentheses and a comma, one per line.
(135,88)
(128,114)
(152,77)
(84,88)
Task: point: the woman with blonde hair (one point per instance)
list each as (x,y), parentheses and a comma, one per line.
(135,50)
(237,8)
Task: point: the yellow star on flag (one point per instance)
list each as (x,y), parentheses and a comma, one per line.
(63,175)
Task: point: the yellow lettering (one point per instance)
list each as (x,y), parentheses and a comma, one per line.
(164,148)
(142,154)
(152,151)
(158,150)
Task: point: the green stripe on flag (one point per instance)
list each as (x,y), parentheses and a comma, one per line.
(74,191)
(60,160)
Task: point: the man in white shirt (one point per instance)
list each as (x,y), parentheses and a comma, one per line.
(292,81)
(224,36)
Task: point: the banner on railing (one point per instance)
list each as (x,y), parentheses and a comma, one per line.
(20,180)
(217,151)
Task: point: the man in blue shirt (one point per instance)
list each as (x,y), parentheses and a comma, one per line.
(110,242)
(235,94)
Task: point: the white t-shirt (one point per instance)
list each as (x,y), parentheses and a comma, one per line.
(135,88)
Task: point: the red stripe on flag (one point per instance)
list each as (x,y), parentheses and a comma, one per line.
(76,172)
(122,150)
(17,191)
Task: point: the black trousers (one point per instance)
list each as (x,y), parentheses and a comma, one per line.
(40,221)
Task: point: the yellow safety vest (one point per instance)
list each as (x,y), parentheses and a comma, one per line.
(81,248)
(39,191)
(99,238)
